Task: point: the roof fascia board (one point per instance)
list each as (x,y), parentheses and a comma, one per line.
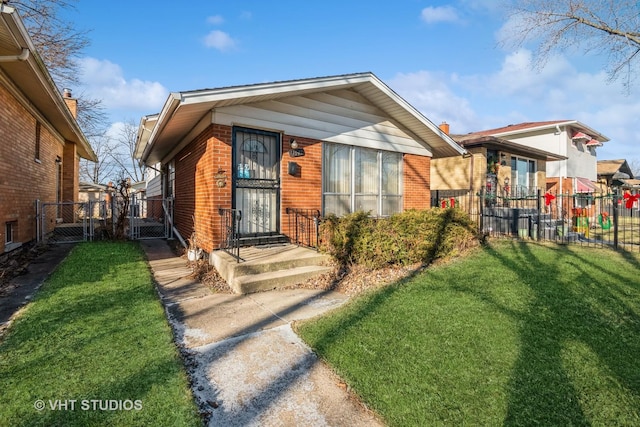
(168,110)
(147,123)
(287,87)
(506,145)
(179,99)
(418,115)
(21,37)
(16,27)
(573,123)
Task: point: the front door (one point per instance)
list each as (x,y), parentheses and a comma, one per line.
(256,180)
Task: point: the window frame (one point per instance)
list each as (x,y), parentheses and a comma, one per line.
(38,134)
(352,195)
(9,232)
(531,175)
(169,189)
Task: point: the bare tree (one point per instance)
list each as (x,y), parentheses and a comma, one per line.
(59,43)
(105,169)
(609,27)
(125,145)
(92,117)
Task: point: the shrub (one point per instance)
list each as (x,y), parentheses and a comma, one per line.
(414,236)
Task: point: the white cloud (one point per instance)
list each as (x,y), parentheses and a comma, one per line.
(219,40)
(104,80)
(518,92)
(560,90)
(432,15)
(215,19)
(429,93)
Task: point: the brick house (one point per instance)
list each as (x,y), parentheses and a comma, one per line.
(41,140)
(336,144)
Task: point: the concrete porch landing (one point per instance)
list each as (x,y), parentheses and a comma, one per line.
(269,267)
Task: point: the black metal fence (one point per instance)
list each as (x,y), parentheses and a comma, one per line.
(585,218)
(304,226)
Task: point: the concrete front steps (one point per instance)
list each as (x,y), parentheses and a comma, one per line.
(269,267)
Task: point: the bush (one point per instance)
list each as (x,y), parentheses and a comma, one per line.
(414,236)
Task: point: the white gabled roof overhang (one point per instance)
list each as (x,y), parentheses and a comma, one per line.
(26,71)
(574,124)
(184,110)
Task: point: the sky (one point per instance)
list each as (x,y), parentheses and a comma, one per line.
(443,57)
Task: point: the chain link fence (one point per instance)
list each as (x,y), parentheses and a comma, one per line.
(72,222)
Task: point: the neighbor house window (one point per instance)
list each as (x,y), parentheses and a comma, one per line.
(523,175)
(37,144)
(361,179)
(170,179)
(9,230)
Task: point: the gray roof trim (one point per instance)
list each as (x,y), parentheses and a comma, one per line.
(188,108)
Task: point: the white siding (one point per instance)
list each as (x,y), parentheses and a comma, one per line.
(580,162)
(154,186)
(341,116)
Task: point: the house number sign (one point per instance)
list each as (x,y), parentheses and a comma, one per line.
(296,152)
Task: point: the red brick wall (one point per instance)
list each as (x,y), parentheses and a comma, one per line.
(416,171)
(197,193)
(303,190)
(22,178)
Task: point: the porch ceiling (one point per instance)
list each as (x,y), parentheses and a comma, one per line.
(184,110)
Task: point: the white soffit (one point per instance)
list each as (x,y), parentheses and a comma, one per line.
(184,110)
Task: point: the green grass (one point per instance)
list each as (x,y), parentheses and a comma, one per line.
(96,331)
(515,334)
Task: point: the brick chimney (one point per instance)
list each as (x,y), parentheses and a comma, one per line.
(72,103)
(444,127)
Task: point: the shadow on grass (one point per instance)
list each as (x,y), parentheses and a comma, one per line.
(576,329)
(94,331)
(120,402)
(541,390)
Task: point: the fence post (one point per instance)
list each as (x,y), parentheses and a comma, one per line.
(113,214)
(539,208)
(616,200)
(480,200)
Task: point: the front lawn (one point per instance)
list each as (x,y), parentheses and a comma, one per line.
(94,348)
(514,334)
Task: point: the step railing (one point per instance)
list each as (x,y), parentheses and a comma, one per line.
(304,226)
(230,231)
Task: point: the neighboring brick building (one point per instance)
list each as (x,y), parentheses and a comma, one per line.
(336,144)
(40,140)
(492,167)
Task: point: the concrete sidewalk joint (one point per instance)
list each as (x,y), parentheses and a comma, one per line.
(247,365)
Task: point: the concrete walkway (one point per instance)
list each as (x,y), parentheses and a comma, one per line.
(21,289)
(247,365)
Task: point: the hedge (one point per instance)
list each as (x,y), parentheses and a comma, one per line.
(413,236)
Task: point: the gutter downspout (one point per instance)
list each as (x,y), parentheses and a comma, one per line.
(24,55)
